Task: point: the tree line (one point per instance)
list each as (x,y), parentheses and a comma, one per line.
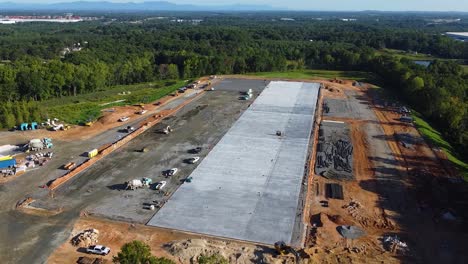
(33,69)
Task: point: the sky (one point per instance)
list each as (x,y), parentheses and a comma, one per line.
(342,5)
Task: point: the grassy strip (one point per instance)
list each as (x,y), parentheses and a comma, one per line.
(317,74)
(465,67)
(435,138)
(404,54)
(78,109)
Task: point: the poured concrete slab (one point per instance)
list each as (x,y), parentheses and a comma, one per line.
(248,186)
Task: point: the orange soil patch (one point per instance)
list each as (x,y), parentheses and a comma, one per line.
(114,234)
(360,207)
(420,156)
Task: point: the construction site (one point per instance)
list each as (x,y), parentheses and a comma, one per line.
(256,170)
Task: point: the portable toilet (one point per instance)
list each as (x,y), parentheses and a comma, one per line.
(33,125)
(92,153)
(24,126)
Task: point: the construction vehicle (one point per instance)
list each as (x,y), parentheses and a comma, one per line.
(170,172)
(160,185)
(124,118)
(284,249)
(166,130)
(130,129)
(192,160)
(144,149)
(195,150)
(134,184)
(188,179)
(39,144)
(57,127)
(248,92)
(89,122)
(10,163)
(146,182)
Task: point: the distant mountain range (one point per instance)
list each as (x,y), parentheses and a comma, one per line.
(126,7)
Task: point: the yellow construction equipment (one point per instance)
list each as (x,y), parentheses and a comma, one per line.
(284,249)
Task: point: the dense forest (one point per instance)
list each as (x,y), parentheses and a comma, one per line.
(42,61)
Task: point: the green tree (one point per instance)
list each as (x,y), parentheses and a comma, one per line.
(212,259)
(137,252)
(416,84)
(172,72)
(7,118)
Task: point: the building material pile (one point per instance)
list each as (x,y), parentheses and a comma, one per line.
(334,191)
(351,232)
(85,238)
(38,159)
(334,152)
(337,154)
(188,251)
(88,260)
(395,245)
(39,144)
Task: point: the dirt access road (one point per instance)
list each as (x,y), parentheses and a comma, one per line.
(385,198)
(31,238)
(36,236)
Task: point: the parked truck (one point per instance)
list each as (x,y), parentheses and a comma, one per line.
(9,163)
(135,184)
(39,144)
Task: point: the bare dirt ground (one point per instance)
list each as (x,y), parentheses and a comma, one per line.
(114,235)
(396,191)
(180,247)
(31,237)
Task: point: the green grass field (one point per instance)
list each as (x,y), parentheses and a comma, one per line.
(78,109)
(404,54)
(435,138)
(309,74)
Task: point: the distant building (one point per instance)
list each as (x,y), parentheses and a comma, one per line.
(461,36)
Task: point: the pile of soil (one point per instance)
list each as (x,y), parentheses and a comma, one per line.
(85,238)
(188,251)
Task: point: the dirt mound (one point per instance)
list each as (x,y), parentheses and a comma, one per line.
(378,220)
(327,233)
(188,251)
(85,238)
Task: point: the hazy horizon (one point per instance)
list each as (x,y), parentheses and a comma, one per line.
(307,5)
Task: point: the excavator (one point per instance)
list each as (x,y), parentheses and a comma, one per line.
(284,249)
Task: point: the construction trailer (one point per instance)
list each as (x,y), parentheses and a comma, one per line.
(9,163)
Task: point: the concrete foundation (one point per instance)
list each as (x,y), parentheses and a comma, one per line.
(248,186)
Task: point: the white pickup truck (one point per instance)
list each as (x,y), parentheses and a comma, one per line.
(98,249)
